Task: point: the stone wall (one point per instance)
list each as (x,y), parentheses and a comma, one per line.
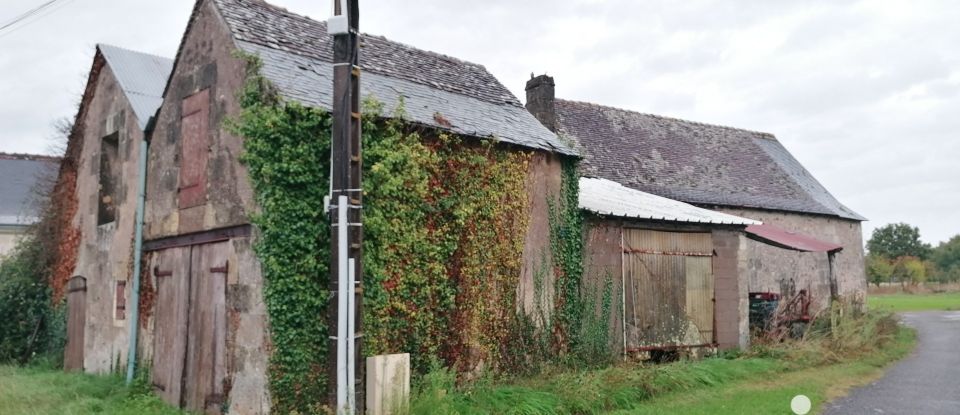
(783,271)
(105,253)
(732,305)
(207,61)
(543,184)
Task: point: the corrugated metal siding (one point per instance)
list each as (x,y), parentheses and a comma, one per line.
(669,288)
(699,289)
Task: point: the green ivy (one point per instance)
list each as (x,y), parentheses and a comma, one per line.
(566,244)
(286,151)
(444,226)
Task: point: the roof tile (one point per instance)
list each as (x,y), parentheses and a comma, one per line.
(693,162)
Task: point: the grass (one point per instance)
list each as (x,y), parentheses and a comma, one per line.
(38,391)
(915,302)
(772,395)
(834,358)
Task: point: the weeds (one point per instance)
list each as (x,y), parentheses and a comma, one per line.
(839,336)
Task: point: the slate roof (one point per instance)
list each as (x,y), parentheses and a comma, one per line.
(693,162)
(20,174)
(437,90)
(607,197)
(141,76)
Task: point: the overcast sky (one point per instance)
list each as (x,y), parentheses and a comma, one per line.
(866,94)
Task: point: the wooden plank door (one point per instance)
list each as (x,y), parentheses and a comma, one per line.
(205,364)
(76,323)
(171,270)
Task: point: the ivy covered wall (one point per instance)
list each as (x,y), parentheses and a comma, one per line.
(444,220)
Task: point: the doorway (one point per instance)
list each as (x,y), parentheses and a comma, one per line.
(189,365)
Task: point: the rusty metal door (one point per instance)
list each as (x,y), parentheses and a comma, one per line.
(189,362)
(205,368)
(669,291)
(171,272)
(76,323)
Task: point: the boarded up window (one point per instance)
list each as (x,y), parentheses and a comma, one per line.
(669,289)
(109,178)
(120,301)
(194,149)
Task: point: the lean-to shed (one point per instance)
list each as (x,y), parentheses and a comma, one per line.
(677,269)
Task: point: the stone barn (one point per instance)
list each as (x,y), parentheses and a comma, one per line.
(122,95)
(739,172)
(205,330)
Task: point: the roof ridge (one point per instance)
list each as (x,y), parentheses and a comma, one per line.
(763,134)
(366,35)
(100,45)
(27,157)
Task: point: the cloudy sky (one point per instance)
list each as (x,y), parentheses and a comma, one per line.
(865,93)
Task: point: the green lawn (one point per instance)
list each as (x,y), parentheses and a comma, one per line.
(915,302)
(34,391)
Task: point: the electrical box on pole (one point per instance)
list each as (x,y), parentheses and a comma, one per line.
(346,368)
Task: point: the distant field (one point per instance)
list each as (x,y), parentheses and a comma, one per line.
(915,302)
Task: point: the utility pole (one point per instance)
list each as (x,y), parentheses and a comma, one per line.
(346,376)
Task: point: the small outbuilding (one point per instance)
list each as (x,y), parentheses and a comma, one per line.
(677,269)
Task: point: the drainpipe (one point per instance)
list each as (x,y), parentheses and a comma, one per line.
(137,257)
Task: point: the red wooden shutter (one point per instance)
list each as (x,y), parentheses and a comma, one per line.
(194,149)
(121,301)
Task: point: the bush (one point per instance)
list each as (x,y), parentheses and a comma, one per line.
(31,327)
(838,334)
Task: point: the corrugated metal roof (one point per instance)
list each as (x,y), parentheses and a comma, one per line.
(610,198)
(141,76)
(783,238)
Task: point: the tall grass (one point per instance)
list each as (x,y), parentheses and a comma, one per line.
(43,391)
(841,335)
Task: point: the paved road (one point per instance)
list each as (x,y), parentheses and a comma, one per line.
(926,382)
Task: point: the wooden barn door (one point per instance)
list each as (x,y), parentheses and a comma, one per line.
(669,291)
(76,323)
(171,271)
(189,340)
(205,364)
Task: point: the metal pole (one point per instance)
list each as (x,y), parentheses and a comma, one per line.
(137,257)
(346,371)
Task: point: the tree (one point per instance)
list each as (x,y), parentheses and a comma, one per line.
(946,258)
(879,269)
(898,240)
(910,269)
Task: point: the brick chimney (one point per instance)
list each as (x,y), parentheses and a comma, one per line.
(540,97)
